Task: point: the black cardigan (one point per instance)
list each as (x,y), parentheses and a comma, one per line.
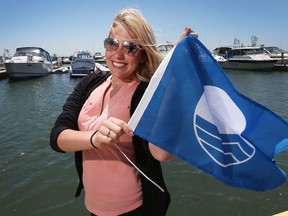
(155,202)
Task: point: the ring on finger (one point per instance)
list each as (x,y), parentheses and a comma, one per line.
(108,133)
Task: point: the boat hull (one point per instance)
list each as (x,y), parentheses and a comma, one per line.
(81,72)
(248,65)
(27,70)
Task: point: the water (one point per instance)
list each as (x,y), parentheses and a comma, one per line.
(35,180)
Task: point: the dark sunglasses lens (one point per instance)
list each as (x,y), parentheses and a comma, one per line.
(111,44)
(131,47)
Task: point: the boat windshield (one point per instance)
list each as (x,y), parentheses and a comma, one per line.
(27,53)
(222,51)
(84,56)
(275,50)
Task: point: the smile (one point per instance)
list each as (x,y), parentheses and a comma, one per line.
(117,64)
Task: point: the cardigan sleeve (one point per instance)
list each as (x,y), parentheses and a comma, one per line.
(68,119)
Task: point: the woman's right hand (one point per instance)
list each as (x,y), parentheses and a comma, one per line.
(110,132)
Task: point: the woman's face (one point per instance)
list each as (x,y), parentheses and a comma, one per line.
(122,65)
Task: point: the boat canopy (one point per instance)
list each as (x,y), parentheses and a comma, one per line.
(33,51)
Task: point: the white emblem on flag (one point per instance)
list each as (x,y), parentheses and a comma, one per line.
(218,127)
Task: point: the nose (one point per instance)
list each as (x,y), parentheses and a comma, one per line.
(120,47)
(119,51)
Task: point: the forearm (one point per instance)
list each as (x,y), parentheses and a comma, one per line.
(72,140)
(160,154)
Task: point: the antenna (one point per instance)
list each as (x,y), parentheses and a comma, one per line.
(236,42)
(254,41)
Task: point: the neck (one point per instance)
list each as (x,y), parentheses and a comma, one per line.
(117,83)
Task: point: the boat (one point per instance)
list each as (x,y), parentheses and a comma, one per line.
(98,55)
(82,64)
(279,54)
(102,69)
(29,62)
(61,70)
(165,48)
(251,58)
(101,61)
(66,60)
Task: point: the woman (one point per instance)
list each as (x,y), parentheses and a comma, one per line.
(93,124)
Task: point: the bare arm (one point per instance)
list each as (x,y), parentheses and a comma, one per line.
(108,134)
(160,154)
(71,140)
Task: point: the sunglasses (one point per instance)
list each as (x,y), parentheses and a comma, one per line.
(130,48)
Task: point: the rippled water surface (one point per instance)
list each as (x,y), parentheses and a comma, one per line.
(35,180)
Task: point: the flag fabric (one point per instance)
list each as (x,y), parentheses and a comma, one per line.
(192,110)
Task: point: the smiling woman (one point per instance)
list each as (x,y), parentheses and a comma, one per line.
(94,125)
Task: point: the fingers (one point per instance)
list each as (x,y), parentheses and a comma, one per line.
(111,131)
(186,31)
(117,126)
(195,34)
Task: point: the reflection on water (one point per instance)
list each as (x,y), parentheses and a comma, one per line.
(35,180)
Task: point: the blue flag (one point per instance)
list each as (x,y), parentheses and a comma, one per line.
(192,110)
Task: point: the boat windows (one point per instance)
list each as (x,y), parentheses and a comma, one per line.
(275,50)
(84,56)
(247,51)
(26,54)
(237,52)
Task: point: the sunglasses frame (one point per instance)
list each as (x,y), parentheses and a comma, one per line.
(125,44)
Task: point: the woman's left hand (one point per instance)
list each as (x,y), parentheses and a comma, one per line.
(186,31)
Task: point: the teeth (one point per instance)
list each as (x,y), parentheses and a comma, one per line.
(118,64)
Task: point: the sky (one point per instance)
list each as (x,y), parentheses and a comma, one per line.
(63,27)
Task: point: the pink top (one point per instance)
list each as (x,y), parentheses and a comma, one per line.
(112,184)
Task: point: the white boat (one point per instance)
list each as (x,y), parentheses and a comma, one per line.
(82,64)
(245,58)
(66,60)
(102,69)
(98,55)
(29,62)
(101,61)
(165,48)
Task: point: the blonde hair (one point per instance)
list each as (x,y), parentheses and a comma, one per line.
(134,22)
